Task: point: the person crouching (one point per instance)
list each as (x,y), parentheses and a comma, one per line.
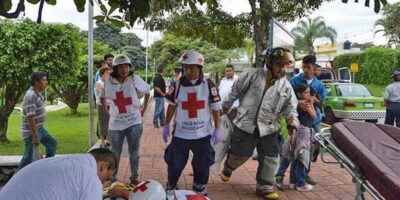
(195,101)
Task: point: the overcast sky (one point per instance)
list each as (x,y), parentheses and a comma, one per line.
(352,21)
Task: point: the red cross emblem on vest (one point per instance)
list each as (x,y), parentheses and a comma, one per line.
(121,102)
(196,197)
(141,187)
(192,105)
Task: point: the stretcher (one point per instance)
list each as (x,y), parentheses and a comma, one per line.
(369,152)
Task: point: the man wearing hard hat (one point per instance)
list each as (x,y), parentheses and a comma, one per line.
(195,102)
(122,93)
(264,95)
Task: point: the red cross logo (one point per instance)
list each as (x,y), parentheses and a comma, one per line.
(195,197)
(141,187)
(122,101)
(192,105)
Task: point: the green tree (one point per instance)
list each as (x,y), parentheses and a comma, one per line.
(74,85)
(390,23)
(168,50)
(112,36)
(262,11)
(136,54)
(307,31)
(27,47)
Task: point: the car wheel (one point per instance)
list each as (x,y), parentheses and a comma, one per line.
(330,117)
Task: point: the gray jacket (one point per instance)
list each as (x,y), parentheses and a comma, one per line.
(278,100)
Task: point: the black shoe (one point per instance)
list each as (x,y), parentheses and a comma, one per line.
(200,189)
(310,181)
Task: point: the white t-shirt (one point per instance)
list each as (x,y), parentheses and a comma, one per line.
(124,101)
(99,91)
(392,92)
(225,87)
(58,178)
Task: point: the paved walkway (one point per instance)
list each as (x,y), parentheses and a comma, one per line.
(333,182)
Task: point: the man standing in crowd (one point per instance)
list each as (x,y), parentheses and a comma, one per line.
(108,59)
(264,94)
(159,94)
(102,111)
(122,94)
(33,117)
(392,100)
(308,77)
(225,86)
(195,102)
(68,177)
(318,91)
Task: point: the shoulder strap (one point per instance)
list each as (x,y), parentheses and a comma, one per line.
(177,87)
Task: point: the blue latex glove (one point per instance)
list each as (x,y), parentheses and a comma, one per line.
(216,137)
(165,133)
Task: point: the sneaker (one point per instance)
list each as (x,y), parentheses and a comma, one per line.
(310,181)
(200,189)
(224,177)
(292,186)
(269,195)
(279,182)
(305,188)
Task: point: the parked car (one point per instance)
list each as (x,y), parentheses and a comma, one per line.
(328,75)
(351,101)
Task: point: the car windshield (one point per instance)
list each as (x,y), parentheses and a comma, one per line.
(353,90)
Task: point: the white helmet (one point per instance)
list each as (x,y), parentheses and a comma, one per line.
(121,59)
(187,194)
(148,190)
(192,57)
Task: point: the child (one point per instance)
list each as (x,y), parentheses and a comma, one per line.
(296,151)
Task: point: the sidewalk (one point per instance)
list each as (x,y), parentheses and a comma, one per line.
(333,182)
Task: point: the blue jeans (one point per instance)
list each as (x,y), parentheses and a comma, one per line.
(44,138)
(132,135)
(159,116)
(283,166)
(299,172)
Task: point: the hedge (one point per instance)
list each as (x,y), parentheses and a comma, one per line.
(376,64)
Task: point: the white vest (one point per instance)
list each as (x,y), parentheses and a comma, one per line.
(193,114)
(124,102)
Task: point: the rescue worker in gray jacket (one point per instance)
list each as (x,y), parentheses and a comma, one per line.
(265,95)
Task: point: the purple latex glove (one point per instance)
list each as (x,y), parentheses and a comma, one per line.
(216,137)
(165,133)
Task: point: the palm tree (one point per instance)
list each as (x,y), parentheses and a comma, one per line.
(307,31)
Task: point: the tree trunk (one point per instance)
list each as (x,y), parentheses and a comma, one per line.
(39,18)
(12,94)
(20,8)
(3,127)
(260,24)
(72,99)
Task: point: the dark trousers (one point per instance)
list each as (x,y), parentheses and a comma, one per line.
(177,154)
(393,114)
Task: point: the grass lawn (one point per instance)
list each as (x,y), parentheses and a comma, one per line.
(376,90)
(71,132)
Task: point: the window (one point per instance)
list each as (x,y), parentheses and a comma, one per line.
(352,90)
